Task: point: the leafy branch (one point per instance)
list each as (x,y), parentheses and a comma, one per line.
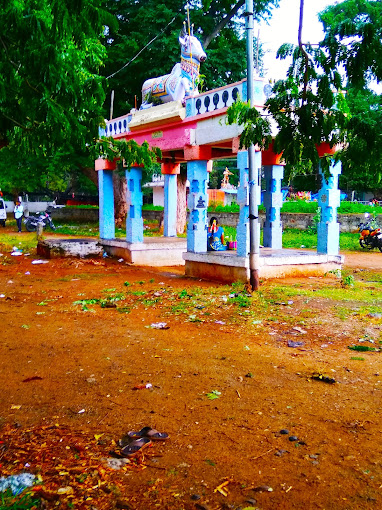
(127,150)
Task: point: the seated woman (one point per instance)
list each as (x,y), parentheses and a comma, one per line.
(215,236)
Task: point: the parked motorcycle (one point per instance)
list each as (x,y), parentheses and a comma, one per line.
(31,222)
(370,234)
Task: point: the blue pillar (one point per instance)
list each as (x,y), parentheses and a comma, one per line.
(242,232)
(197,175)
(328,229)
(170,205)
(106,204)
(134,200)
(243,200)
(273,200)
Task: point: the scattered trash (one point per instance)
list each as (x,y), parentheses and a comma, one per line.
(220,322)
(323,378)
(116,464)
(17,483)
(2,295)
(159,325)
(302,246)
(65,490)
(222,488)
(263,488)
(16,253)
(293,438)
(121,260)
(280,453)
(81,412)
(291,343)
(284,431)
(14,406)
(105,255)
(28,272)
(142,386)
(300,330)
(290,302)
(40,261)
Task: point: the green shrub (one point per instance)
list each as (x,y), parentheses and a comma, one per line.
(151,207)
(299,206)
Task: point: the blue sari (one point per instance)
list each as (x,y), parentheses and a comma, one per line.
(214,240)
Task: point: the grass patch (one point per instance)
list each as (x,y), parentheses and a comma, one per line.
(22,502)
(78,229)
(25,241)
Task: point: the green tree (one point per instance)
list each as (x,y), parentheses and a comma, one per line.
(51,92)
(362,156)
(217,23)
(353,35)
(309,106)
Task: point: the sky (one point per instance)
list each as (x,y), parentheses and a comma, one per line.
(283,27)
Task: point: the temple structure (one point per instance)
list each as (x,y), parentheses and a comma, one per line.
(196,134)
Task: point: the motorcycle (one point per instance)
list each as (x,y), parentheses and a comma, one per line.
(370,234)
(31,222)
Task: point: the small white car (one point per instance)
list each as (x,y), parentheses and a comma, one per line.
(3,212)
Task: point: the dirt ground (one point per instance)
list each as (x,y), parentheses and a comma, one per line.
(73,382)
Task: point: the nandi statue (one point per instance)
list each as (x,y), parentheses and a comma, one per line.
(182,81)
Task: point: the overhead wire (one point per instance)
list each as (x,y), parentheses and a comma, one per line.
(140,51)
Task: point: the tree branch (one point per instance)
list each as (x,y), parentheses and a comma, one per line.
(16,123)
(302,49)
(222,23)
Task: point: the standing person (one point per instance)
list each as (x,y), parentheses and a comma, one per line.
(215,236)
(18,212)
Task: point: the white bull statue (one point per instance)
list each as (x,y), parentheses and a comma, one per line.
(182,81)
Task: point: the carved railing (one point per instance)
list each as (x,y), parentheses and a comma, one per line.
(223,97)
(206,102)
(117,126)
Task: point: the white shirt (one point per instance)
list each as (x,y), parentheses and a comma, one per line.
(18,211)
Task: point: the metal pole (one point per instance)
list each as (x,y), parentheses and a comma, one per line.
(111,104)
(254,240)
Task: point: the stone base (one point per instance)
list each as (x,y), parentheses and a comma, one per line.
(154,251)
(57,248)
(227,267)
(157,115)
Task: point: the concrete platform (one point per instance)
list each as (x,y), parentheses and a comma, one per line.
(57,248)
(227,267)
(154,251)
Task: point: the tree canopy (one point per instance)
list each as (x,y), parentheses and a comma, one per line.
(57,55)
(311,105)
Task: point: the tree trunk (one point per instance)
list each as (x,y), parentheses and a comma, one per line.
(120,188)
(222,23)
(90,173)
(181,206)
(120,206)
